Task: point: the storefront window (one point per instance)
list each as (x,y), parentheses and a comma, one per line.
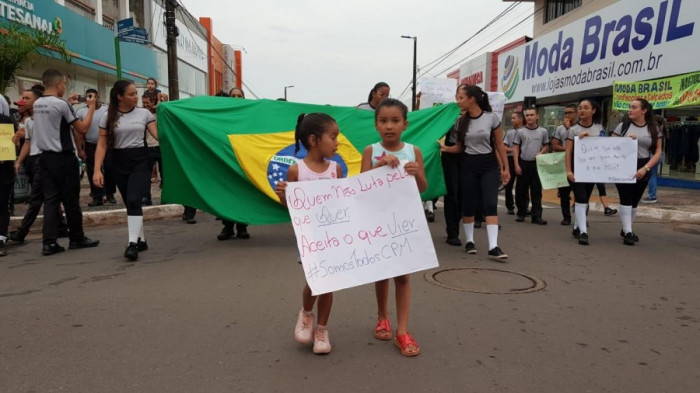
(551,117)
(681,147)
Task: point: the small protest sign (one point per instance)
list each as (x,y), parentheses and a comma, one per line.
(552,170)
(605,160)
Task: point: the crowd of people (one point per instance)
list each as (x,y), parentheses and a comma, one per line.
(119,142)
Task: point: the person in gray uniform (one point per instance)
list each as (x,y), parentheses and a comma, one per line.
(60,172)
(642,127)
(517,120)
(530,141)
(97,193)
(123,129)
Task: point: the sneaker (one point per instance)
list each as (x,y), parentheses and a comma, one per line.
(539,221)
(243,234)
(430,216)
(304,329)
(454,241)
(511,212)
(609,211)
(110,199)
(576,233)
(141,245)
(17,236)
(497,253)
(95,202)
(51,248)
(566,221)
(649,200)
(85,242)
(322,343)
(132,252)
(477,224)
(583,239)
(226,234)
(634,236)
(520,219)
(146,201)
(3,248)
(629,239)
(471,249)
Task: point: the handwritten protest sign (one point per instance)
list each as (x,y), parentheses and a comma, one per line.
(437,91)
(605,160)
(552,170)
(360,230)
(7,147)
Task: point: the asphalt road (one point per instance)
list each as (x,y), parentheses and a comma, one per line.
(199,315)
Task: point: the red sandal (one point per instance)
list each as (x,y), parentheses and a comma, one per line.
(403,341)
(383,330)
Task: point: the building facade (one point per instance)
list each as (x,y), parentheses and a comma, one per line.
(585,50)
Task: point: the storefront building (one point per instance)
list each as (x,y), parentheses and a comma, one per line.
(627,41)
(91,44)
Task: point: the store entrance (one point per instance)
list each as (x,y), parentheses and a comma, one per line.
(681,144)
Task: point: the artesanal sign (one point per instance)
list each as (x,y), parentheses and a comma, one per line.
(22,12)
(672,92)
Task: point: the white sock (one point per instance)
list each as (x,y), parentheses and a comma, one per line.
(134,223)
(428,205)
(468,231)
(626,218)
(581,217)
(142,236)
(492,232)
(634,213)
(3,238)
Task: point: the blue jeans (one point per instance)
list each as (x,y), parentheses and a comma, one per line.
(652,180)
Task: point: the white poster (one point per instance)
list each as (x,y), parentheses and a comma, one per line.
(360,230)
(605,159)
(437,91)
(191,47)
(630,40)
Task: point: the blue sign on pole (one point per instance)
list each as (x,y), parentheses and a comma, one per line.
(124,24)
(134,34)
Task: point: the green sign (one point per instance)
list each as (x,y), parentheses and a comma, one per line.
(552,170)
(672,92)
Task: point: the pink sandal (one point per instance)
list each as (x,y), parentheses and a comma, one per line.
(383,330)
(404,341)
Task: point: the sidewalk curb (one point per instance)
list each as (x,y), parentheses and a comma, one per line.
(659,214)
(112,217)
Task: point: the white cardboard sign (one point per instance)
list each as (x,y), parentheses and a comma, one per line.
(605,160)
(360,230)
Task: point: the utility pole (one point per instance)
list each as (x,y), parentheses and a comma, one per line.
(415,68)
(171,42)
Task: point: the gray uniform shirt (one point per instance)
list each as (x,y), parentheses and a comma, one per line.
(4,106)
(29,137)
(478,138)
(366,106)
(52,125)
(643,138)
(130,128)
(509,138)
(560,134)
(94,132)
(531,141)
(593,130)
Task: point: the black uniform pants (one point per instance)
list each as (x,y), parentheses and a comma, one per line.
(529,189)
(110,186)
(565,201)
(510,202)
(7,184)
(60,181)
(132,172)
(451,168)
(631,193)
(36,198)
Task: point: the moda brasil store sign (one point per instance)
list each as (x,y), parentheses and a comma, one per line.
(629,40)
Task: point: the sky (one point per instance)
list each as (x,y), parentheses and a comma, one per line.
(333,52)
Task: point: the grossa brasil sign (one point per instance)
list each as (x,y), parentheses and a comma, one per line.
(629,40)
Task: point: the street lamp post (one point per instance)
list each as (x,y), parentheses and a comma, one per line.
(415,68)
(285,91)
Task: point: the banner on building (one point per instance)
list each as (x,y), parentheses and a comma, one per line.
(628,40)
(672,92)
(225,156)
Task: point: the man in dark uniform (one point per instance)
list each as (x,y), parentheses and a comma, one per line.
(53,118)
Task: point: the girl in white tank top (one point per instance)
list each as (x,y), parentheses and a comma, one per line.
(318,133)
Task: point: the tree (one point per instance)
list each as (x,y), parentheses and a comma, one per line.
(19,42)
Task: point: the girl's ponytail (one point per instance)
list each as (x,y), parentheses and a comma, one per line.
(297,133)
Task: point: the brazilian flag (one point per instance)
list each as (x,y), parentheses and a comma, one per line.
(225,155)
